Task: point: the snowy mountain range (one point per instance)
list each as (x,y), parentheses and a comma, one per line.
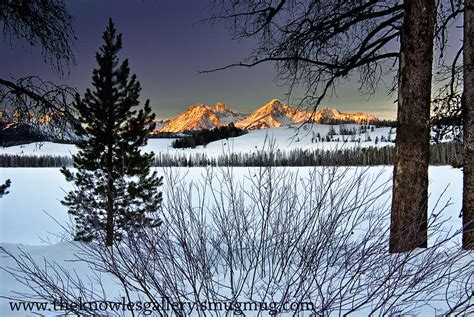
(271,115)
(31,128)
(200,116)
(196,117)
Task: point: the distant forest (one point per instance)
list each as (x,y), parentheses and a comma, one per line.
(206,136)
(449,153)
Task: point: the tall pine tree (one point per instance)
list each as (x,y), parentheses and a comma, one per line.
(115,192)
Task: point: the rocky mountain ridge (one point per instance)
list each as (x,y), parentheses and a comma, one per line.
(273,114)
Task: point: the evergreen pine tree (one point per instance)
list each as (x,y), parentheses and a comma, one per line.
(115,192)
(4,188)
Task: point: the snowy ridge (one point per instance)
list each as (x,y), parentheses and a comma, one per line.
(200,116)
(334,114)
(286,138)
(271,115)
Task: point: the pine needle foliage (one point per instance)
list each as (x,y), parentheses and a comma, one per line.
(115,192)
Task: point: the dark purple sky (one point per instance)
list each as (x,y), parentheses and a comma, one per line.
(167,46)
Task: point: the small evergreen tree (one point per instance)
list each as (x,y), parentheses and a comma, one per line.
(4,188)
(115,192)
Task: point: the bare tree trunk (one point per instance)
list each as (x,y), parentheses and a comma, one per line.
(408,228)
(468,127)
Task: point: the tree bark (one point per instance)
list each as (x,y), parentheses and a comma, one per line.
(408,229)
(468,127)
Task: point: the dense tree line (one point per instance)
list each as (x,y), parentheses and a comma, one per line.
(15,160)
(441,154)
(165,135)
(206,136)
(377,122)
(448,153)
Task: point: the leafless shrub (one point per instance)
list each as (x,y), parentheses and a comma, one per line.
(277,235)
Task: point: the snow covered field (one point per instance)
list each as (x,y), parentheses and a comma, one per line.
(32,219)
(286,138)
(34,191)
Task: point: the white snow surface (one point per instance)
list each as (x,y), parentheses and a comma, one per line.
(32,211)
(286,138)
(31,214)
